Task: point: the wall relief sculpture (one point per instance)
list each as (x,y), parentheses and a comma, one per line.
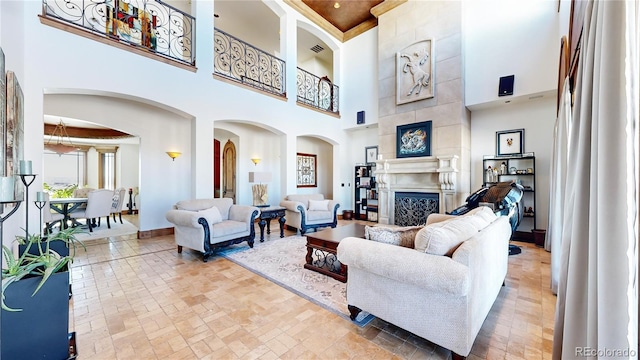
(414,72)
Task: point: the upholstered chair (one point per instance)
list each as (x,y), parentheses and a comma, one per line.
(98,205)
(116,203)
(49,216)
(310,211)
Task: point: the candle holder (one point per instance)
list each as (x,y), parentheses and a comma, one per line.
(3,218)
(40,205)
(27,180)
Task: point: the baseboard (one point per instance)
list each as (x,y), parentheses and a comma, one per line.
(155,232)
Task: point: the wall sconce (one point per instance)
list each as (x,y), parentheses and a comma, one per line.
(173,154)
(255,161)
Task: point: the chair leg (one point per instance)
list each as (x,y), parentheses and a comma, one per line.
(120,216)
(89,225)
(108,222)
(179,249)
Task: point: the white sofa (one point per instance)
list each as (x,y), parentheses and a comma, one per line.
(310,211)
(208,224)
(442,298)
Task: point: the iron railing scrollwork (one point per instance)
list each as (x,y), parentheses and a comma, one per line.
(147,24)
(317,92)
(241,62)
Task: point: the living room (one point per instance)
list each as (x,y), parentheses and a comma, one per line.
(475,45)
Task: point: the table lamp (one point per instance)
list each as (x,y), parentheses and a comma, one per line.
(259,188)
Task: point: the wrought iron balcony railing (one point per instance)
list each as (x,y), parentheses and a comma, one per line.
(317,92)
(145,24)
(241,62)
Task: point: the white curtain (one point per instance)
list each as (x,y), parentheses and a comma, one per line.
(596,290)
(558,178)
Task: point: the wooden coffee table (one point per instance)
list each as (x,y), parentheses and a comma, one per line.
(323,244)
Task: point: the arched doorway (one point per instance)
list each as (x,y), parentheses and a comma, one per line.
(229,171)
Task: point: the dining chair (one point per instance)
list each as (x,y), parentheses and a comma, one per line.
(98,205)
(50,217)
(116,203)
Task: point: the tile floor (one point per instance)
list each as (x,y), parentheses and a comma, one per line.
(140,299)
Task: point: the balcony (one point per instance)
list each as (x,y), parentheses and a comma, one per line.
(148,27)
(243,63)
(317,93)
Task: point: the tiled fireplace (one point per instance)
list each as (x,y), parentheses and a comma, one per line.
(411,188)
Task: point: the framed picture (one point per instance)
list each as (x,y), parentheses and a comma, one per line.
(306,167)
(371,154)
(510,142)
(413,140)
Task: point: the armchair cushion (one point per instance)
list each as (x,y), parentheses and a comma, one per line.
(318,205)
(394,235)
(212,215)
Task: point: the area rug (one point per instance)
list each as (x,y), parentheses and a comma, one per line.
(117,229)
(282,262)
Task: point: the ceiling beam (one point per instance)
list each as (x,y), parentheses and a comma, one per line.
(86,133)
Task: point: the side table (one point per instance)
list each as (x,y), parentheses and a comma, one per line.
(268,213)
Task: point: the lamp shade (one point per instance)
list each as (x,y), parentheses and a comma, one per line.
(259,177)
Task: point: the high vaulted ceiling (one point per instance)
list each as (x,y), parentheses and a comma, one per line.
(347,14)
(346,20)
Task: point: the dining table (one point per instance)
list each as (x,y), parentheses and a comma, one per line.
(66,206)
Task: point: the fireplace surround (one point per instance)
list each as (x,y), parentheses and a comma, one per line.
(434,175)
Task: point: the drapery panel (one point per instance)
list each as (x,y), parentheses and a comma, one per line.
(595,309)
(558,181)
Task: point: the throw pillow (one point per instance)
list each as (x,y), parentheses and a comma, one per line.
(444,238)
(318,205)
(212,215)
(394,235)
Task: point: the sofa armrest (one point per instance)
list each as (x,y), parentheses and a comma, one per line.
(431,272)
(187,218)
(242,213)
(292,205)
(333,206)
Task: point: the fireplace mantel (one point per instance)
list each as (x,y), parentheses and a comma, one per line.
(430,174)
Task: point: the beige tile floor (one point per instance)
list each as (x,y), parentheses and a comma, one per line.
(140,299)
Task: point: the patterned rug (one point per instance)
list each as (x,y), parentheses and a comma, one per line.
(282,262)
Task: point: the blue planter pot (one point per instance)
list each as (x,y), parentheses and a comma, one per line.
(41,329)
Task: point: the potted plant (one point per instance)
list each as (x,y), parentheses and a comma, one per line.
(35,296)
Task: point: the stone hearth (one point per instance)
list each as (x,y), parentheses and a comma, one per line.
(429,175)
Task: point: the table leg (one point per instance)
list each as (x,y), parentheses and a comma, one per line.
(262,223)
(281,221)
(269,226)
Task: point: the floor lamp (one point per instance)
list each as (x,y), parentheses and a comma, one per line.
(259,188)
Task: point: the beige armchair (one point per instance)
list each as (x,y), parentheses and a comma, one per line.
(311,211)
(208,224)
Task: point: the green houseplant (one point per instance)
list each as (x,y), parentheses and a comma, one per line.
(35,296)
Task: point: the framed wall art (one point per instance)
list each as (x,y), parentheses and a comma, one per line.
(306,167)
(413,140)
(14,130)
(510,142)
(371,154)
(414,72)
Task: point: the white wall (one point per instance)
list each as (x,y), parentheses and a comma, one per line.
(537,118)
(128,169)
(324,162)
(359,85)
(504,37)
